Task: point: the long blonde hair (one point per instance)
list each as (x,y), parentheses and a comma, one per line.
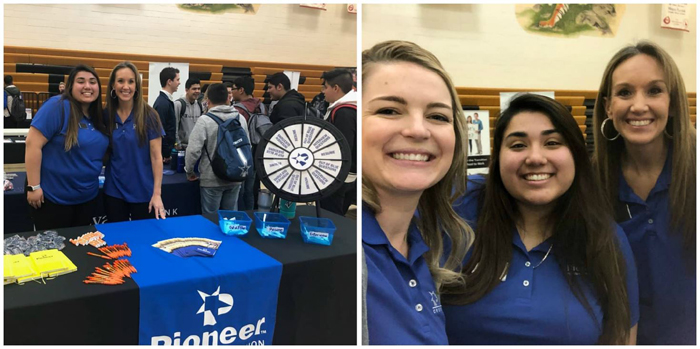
(434,207)
(607,156)
(145,117)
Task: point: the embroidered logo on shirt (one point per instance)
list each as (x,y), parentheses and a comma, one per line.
(437,307)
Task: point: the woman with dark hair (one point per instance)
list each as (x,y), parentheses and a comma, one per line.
(135,170)
(414,151)
(548,265)
(65,145)
(646,159)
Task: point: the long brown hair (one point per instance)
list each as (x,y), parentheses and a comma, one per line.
(583,229)
(435,204)
(145,117)
(607,156)
(76,110)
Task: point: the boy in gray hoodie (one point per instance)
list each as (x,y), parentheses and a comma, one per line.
(215,193)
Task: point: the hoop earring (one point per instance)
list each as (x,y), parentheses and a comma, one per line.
(602,131)
(113,94)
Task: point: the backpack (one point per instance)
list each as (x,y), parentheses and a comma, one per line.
(258,123)
(17,110)
(183,106)
(233,157)
(335,109)
(319,102)
(310,110)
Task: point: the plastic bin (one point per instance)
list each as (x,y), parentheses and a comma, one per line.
(271,225)
(317,230)
(234,222)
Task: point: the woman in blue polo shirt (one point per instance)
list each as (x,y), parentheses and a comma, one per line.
(646,157)
(65,146)
(548,265)
(135,170)
(414,150)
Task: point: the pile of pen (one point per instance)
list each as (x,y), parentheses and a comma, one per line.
(112,273)
(113,251)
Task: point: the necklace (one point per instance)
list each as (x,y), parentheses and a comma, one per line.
(545,256)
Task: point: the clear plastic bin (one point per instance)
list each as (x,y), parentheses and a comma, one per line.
(317,230)
(234,222)
(271,225)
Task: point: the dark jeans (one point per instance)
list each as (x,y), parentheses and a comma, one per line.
(246,197)
(55,216)
(341,199)
(118,210)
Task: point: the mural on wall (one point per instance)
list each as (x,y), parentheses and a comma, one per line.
(250,9)
(570,19)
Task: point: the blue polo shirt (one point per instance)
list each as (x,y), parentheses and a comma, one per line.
(478,122)
(532,305)
(666,285)
(129,175)
(403,306)
(69,178)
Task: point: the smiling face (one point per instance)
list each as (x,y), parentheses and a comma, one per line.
(536,165)
(174,84)
(192,93)
(85,88)
(408,136)
(639,101)
(124,84)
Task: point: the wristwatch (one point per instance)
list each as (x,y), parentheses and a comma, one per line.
(33,187)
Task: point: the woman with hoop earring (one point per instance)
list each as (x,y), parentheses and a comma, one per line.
(645,156)
(135,169)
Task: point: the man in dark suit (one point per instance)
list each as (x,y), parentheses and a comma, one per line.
(169,81)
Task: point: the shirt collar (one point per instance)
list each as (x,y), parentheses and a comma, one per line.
(518,243)
(170,96)
(372,234)
(626,194)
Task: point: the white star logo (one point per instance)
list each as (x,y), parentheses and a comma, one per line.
(226,298)
(244,170)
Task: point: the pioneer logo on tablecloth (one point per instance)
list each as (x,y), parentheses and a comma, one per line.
(227,335)
(225,298)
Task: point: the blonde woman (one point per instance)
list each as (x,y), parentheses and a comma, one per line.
(414,158)
(645,155)
(135,171)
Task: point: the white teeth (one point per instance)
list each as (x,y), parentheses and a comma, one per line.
(410,157)
(639,122)
(537,177)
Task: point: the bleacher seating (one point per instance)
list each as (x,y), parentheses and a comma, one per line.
(37,72)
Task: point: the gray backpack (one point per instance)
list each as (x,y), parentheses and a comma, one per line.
(258,123)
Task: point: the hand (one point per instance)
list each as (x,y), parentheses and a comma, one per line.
(192,177)
(166,160)
(35,198)
(157,205)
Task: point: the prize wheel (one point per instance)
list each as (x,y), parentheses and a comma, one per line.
(303,159)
